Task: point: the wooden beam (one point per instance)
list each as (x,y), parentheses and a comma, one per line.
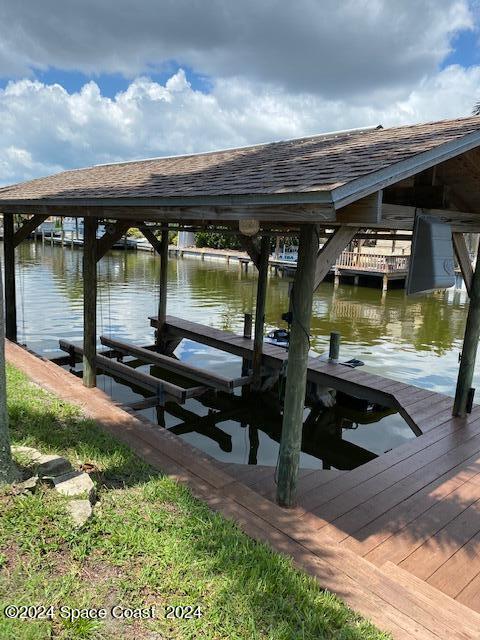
(152,238)
(27,228)
(260,312)
(144,380)
(10,289)
(275,213)
(251,247)
(111,236)
(330,251)
(470,345)
(401,217)
(364,211)
(463,258)
(294,404)
(89,301)
(162,301)
(199,375)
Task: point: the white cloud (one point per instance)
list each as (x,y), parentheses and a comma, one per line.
(324,47)
(43,128)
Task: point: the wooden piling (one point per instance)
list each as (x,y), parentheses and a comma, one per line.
(302,296)
(162,303)
(247,325)
(10,293)
(334,350)
(260,312)
(89,300)
(470,344)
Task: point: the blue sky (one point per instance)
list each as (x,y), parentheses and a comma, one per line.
(109,83)
(466,50)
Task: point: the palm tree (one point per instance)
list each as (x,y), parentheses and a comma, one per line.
(6,464)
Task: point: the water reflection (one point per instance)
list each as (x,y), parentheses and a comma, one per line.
(415,340)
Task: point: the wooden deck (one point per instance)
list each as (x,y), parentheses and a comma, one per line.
(397,538)
(422,409)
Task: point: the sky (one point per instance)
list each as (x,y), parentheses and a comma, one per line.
(91,82)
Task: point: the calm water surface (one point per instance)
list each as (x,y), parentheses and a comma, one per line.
(414,340)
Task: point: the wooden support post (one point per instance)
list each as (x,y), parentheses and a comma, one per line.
(89,300)
(162,303)
(385,283)
(27,228)
(334,350)
(10,293)
(463,258)
(111,236)
(470,344)
(260,312)
(330,251)
(302,296)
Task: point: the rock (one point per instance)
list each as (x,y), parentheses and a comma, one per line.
(30,484)
(45,465)
(75,483)
(29,455)
(51,465)
(80,511)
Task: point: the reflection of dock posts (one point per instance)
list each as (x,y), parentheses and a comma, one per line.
(10,294)
(254,443)
(260,312)
(89,301)
(247,333)
(470,345)
(302,299)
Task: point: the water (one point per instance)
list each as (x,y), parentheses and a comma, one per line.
(414,340)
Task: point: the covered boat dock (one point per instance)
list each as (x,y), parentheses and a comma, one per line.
(374,180)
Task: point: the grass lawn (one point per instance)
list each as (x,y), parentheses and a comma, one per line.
(149,543)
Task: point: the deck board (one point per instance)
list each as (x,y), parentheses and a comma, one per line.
(416,507)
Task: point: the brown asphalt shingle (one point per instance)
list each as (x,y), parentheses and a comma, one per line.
(312,164)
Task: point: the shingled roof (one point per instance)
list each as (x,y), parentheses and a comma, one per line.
(321,168)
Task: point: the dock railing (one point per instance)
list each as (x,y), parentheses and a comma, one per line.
(372,262)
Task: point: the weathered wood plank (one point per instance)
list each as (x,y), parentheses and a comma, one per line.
(363,211)
(89,301)
(302,297)
(9,271)
(145,380)
(258,336)
(463,258)
(330,251)
(112,235)
(152,357)
(470,346)
(27,228)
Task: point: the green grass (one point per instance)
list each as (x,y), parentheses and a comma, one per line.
(149,543)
